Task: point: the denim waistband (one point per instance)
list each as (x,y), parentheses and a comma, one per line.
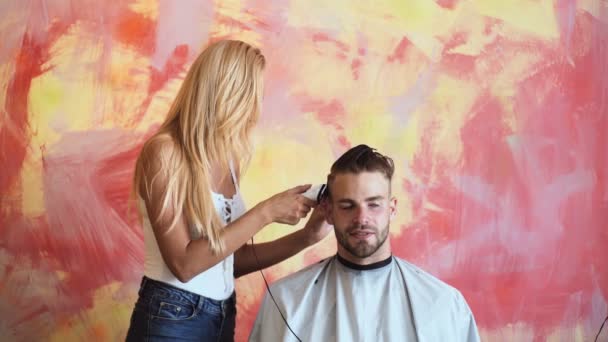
(154,286)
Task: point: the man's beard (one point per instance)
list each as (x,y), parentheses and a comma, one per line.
(362,249)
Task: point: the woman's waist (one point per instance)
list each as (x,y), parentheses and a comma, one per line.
(153,288)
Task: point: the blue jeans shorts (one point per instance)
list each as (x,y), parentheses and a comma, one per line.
(167,313)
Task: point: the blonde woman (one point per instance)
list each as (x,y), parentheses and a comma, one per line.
(195,224)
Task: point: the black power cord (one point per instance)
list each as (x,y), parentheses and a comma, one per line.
(270,293)
(323,193)
(601,327)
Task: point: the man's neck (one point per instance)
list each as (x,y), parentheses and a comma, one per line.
(364,267)
(381,254)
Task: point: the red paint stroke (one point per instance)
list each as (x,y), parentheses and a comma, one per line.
(455,40)
(136,31)
(355,67)
(557,105)
(176,63)
(14,136)
(114,177)
(399,52)
(324,38)
(449,4)
(458,65)
(330,113)
(232,23)
(341,56)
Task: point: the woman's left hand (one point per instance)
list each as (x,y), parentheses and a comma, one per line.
(317,228)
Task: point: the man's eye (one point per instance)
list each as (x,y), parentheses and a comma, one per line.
(345,207)
(374,205)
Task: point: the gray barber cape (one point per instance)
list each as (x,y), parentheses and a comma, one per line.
(335,300)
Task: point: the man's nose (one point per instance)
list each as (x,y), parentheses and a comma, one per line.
(361,216)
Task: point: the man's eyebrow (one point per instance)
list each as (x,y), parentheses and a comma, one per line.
(374,198)
(369,199)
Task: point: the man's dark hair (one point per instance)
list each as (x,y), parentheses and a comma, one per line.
(362,158)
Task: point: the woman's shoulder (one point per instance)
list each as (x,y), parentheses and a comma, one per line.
(159,153)
(159,146)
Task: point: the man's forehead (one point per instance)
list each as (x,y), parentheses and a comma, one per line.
(366,182)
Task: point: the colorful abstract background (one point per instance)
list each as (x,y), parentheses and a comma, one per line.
(495,113)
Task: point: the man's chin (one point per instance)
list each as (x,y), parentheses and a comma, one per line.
(362,251)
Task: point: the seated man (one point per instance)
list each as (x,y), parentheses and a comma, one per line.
(364,293)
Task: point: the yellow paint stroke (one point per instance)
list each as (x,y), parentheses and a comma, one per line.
(285,157)
(536,17)
(32,189)
(236,11)
(147,8)
(126,88)
(106,320)
(66,98)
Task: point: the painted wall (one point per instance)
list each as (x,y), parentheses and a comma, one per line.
(494,111)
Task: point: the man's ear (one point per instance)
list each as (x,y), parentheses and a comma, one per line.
(327,209)
(392,207)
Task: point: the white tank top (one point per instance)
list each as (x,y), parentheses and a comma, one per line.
(218,281)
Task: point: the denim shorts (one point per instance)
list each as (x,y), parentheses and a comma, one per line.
(167,313)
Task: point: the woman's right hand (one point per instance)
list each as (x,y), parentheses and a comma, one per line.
(288,207)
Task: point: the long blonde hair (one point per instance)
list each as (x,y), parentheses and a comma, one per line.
(210,122)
